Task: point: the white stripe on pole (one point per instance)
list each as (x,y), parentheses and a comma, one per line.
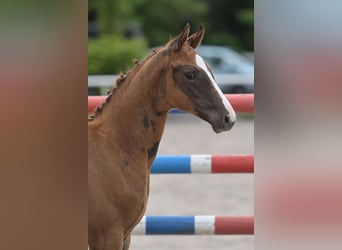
(204,224)
(200,163)
(140,229)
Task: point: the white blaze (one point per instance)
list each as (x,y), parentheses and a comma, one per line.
(200,62)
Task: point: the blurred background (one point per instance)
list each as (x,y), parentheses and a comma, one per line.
(120,31)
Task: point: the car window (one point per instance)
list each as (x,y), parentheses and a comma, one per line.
(225,60)
(220,66)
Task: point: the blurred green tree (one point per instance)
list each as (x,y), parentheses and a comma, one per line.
(162,18)
(227,22)
(230,22)
(158,19)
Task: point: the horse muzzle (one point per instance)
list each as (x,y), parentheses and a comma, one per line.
(222,124)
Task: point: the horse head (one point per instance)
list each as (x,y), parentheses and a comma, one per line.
(190,84)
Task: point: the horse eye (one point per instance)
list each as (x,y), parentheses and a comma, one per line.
(189,75)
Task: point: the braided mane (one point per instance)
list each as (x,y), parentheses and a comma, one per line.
(119,81)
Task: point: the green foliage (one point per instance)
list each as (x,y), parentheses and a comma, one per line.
(246,16)
(113,54)
(161,19)
(158,18)
(222,38)
(107,11)
(233,21)
(227,22)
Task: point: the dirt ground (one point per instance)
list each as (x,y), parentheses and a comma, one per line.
(204,194)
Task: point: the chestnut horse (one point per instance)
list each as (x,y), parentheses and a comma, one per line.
(124,134)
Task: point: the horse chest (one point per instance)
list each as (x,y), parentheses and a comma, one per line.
(130,196)
(136,186)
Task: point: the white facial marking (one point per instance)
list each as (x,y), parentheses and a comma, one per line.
(200,63)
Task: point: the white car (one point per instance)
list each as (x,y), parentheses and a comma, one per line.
(233,73)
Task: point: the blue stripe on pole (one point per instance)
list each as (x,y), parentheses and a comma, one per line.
(170,164)
(170,225)
(176,111)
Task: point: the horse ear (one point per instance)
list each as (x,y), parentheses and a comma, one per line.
(178,41)
(183,36)
(195,39)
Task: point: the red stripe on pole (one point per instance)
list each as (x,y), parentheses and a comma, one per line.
(234,225)
(232,163)
(94,102)
(241,102)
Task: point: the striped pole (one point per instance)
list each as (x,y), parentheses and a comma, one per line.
(198,224)
(241,102)
(202,164)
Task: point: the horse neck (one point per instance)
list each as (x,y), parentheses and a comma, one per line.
(137,112)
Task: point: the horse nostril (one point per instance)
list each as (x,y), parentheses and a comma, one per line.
(229,121)
(226,118)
